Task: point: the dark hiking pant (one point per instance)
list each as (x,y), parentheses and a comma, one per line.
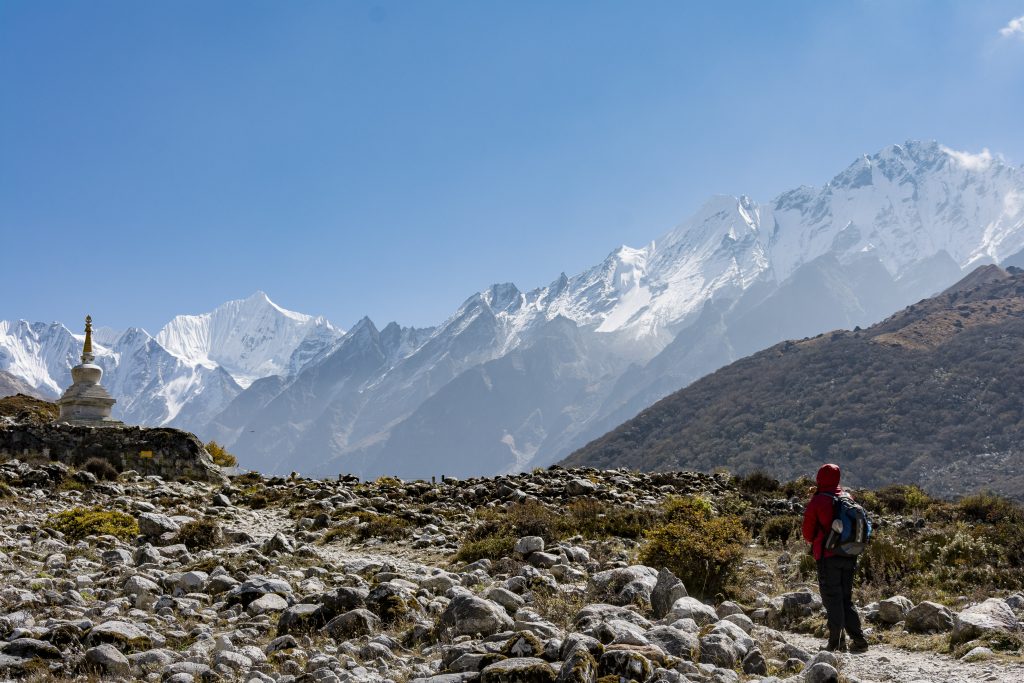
(835,581)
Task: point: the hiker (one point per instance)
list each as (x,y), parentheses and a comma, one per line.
(835,571)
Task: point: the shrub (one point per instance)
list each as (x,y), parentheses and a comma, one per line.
(703,550)
(200,534)
(101,469)
(781,528)
(220,455)
(988,507)
(490,547)
(807,566)
(77,523)
(903,498)
(757,481)
(5,491)
(798,488)
(388,527)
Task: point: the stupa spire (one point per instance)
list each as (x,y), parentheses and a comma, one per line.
(87,347)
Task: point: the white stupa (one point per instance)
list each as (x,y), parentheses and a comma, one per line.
(86,402)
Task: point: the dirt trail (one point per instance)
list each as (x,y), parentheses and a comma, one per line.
(886,663)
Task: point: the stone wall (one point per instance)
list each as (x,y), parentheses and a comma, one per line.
(169,453)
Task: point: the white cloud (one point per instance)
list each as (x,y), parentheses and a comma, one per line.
(1014,28)
(972,162)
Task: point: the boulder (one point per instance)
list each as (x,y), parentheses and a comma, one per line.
(667,589)
(271,602)
(154,525)
(719,649)
(30,648)
(122,634)
(579,667)
(301,618)
(992,615)
(523,644)
(821,673)
(754,664)
(529,544)
(893,610)
(596,621)
(625,585)
(929,617)
(674,641)
(692,608)
(108,660)
(352,624)
(625,665)
(518,670)
(468,614)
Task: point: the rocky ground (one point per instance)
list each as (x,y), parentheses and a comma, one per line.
(302,580)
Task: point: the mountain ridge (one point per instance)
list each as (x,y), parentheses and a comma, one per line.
(927,387)
(734,277)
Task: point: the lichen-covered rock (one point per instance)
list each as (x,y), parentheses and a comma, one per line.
(754,664)
(123,634)
(391,601)
(720,650)
(625,664)
(579,667)
(518,670)
(523,644)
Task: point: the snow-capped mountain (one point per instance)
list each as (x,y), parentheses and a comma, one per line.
(516,379)
(187,379)
(249,338)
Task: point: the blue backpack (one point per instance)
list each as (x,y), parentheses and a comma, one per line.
(851,528)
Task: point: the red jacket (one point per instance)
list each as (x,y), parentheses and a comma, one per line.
(818,514)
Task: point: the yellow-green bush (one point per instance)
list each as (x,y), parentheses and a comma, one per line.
(903,498)
(77,523)
(220,455)
(490,547)
(702,549)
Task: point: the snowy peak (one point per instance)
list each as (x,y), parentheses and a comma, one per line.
(249,338)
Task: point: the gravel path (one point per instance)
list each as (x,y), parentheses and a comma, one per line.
(886,663)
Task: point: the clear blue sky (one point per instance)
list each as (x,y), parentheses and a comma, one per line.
(391,158)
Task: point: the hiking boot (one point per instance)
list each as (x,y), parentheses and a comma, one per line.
(859,645)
